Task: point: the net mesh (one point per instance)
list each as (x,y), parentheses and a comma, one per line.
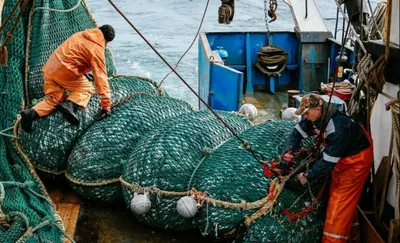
(167,157)
(96,176)
(231,173)
(25,210)
(51,140)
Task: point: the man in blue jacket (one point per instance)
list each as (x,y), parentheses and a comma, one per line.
(347,153)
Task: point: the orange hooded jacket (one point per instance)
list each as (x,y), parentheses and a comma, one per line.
(82,52)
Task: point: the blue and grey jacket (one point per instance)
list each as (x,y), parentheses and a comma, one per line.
(343,138)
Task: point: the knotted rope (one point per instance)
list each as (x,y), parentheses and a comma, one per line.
(264,205)
(376,77)
(271,60)
(394,151)
(6,219)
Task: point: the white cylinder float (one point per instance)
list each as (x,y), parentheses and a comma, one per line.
(140,204)
(248,110)
(187,207)
(288,114)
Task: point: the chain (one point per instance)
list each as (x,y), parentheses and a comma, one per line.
(266,20)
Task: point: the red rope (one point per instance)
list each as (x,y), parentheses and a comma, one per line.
(298,215)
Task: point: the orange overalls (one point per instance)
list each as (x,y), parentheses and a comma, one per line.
(348,178)
(65,69)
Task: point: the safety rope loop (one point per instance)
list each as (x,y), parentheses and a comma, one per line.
(59,10)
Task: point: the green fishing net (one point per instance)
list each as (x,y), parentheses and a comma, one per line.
(51,23)
(52,138)
(167,157)
(26,213)
(230,173)
(95,163)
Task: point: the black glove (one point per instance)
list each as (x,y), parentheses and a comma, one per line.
(103,114)
(286,163)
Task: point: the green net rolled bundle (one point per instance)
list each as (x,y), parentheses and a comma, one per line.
(48,30)
(166,159)
(23,203)
(231,174)
(95,163)
(52,138)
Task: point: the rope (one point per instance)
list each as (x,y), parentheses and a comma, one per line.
(271,60)
(59,10)
(190,46)
(217,203)
(275,190)
(394,153)
(315,204)
(377,21)
(376,77)
(83,183)
(355,100)
(27,185)
(3,133)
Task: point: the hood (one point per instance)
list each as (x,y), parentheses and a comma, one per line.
(95,35)
(327,113)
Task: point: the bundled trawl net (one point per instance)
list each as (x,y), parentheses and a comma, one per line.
(95,163)
(167,157)
(231,174)
(49,27)
(26,212)
(52,138)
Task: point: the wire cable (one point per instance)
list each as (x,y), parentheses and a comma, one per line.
(190,46)
(244,143)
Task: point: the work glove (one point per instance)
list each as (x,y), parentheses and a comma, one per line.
(286,163)
(103,114)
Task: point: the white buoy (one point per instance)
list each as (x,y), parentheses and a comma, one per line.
(288,114)
(187,207)
(140,204)
(248,110)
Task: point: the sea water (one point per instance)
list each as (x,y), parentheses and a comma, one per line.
(171,26)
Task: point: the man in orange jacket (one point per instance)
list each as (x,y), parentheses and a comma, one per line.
(347,154)
(65,69)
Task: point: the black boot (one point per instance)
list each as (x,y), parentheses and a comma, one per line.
(68,110)
(27,118)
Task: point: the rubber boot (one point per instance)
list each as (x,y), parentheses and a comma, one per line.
(68,110)
(27,118)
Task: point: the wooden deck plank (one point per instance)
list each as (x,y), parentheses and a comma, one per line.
(68,206)
(69,213)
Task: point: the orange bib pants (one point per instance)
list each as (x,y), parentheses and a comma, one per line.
(54,88)
(348,179)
